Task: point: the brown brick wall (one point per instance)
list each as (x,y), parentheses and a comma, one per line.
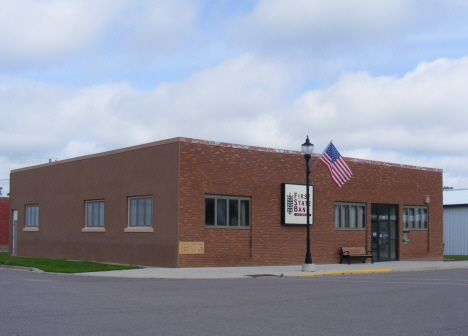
(60,189)
(178,173)
(225,170)
(4,216)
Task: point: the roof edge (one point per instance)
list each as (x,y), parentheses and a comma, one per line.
(285,151)
(221,144)
(111,152)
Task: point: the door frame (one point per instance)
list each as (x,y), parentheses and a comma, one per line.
(14,233)
(386,214)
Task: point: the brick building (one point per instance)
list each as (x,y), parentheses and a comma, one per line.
(4,211)
(192,203)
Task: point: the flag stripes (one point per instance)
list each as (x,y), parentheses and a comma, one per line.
(338,168)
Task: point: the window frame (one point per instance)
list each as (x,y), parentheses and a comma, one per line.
(345,210)
(412,225)
(31,224)
(135,227)
(229,203)
(101,215)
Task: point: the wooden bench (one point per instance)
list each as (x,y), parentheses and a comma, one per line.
(358,252)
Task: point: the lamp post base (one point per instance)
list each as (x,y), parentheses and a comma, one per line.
(308,267)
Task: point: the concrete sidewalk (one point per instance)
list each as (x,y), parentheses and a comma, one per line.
(276,271)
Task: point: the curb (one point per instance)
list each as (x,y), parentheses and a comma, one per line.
(21,268)
(345,272)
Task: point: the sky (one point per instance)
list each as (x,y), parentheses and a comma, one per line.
(385,80)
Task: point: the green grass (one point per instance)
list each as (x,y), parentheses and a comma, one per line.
(61,265)
(455,257)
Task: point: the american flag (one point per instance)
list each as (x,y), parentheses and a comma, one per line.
(338,168)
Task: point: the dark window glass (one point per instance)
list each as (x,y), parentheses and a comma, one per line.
(350,216)
(411,218)
(415,218)
(405,218)
(373,211)
(393,232)
(346,215)
(362,217)
(337,216)
(393,210)
(244,213)
(233,212)
(424,218)
(209,211)
(221,212)
(227,211)
(383,212)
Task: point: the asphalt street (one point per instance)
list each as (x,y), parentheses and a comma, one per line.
(401,303)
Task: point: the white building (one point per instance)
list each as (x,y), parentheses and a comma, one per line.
(455,221)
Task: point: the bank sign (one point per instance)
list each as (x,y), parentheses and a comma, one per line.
(294,204)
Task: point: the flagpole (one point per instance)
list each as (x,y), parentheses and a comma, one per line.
(321,155)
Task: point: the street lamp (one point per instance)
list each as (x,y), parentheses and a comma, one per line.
(307,150)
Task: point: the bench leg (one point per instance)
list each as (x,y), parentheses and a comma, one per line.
(349,261)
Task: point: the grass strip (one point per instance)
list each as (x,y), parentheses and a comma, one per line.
(455,257)
(61,265)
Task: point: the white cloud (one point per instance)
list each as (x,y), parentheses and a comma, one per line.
(422,112)
(342,23)
(386,80)
(322,22)
(46,31)
(162,26)
(415,119)
(454,166)
(328,37)
(222,101)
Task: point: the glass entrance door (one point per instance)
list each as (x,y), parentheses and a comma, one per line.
(384,247)
(384,232)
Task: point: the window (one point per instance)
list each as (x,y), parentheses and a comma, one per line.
(95,214)
(227,212)
(140,212)
(32,216)
(350,216)
(415,218)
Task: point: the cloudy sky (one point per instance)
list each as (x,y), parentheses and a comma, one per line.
(385,80)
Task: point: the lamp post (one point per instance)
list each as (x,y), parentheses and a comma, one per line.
(307,150)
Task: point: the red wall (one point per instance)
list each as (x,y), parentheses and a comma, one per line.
(4,216)
(178,173)
(224,169)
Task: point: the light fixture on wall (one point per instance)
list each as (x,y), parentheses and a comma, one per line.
(427,199)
